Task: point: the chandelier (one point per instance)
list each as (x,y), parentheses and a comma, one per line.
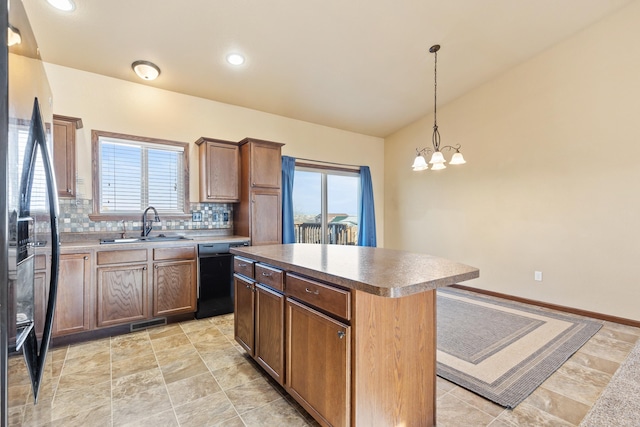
(437,159)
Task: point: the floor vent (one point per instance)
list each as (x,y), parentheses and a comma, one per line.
(148,324)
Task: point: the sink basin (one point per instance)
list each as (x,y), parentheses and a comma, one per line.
(158,238)
(129,240)
(162,238)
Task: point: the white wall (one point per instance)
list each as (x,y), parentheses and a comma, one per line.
(114,105)
(552,181)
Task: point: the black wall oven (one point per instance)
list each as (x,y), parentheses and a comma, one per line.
(215,279)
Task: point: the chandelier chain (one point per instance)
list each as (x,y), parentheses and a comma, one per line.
(435,89)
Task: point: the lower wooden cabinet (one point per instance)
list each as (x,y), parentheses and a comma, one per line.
(174,287)
(318,353)
(244,312)
(122,294)
(269,331)
(72,303)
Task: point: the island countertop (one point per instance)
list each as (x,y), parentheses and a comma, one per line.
(379,271)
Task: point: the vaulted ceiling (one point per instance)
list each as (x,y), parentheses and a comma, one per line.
(357,65)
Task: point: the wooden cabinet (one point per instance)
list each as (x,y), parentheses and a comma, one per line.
(244,312)
(121,287)
(174,280)
(73,297)
(219,170)
(259,315)
(64,153)
(319,363)
(40,291)
(259,213)
(269,333)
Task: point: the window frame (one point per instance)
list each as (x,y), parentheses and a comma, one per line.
(95,171)
(326,170)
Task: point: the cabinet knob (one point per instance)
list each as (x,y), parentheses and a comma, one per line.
(69,190)
(341,334)
(156,267)
(85,257)
(316,292)
(144,268)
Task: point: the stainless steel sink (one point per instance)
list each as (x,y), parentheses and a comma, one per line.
(162,238)
(158,238)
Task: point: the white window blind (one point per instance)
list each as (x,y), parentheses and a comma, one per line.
(39,199)
(134,175)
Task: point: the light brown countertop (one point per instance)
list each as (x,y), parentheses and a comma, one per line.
(378,271)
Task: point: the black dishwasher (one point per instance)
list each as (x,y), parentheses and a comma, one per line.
(215,279)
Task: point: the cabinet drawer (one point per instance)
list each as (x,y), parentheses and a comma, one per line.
(269,276)
(41,262)
(119,257)
(184,252)
(243,266)
(328,298)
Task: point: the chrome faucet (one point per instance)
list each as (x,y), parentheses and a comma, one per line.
(147,225)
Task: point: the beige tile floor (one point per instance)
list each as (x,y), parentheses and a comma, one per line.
(194,374)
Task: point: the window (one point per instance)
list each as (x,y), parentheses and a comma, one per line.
(132,173)
(325,205)
(39,200)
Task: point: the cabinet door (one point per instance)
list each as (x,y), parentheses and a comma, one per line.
(319,363)
(64,156)
(174,287)
(122,294)
(243,326)
(266,166)
(270,332)
(40,298)
(222,173)
(72,301)
(266,224)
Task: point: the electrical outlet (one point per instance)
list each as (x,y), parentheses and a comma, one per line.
(537,276)
(226,216)
(196,216)
(215,216)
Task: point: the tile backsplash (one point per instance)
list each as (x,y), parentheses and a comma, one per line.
(74,218)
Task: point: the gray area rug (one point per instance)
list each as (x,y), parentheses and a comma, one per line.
(503,350)
(619,403)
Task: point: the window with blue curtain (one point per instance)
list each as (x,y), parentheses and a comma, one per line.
(327,205)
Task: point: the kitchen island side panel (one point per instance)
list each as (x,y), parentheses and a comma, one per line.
(394,360)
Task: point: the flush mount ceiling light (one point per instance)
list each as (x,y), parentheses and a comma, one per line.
(64,5)
(235,59)
(437,159)
(13,36)
(146,70)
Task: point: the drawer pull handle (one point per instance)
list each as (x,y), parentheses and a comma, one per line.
(341,334)
(242,265)
(267,275)
(316,292)
(247,286)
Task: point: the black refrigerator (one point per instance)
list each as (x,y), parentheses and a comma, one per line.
(28,205)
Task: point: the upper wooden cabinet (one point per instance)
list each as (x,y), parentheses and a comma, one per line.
(219,170)
(64,153)
(259,214)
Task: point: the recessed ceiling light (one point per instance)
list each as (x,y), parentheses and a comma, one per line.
(146,70)
(64,5)
(235,59)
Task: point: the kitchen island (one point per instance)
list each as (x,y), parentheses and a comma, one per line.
(348,331)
